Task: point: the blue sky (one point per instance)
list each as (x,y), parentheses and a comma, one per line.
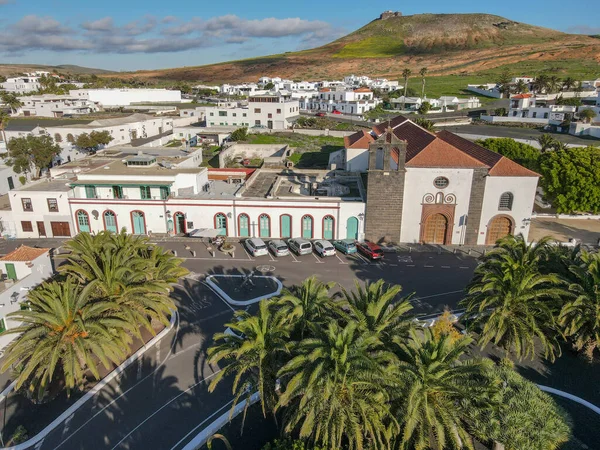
(135,34)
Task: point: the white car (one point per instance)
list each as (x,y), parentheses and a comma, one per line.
(324,248)
(256,247)
(278,247)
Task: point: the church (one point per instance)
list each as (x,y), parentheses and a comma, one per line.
(437,188)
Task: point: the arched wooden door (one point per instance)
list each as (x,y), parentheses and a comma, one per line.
(498,227)
(436,227)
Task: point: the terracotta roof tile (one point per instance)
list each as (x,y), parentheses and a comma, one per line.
(380,128)
(508,168)
(362,90)
(24,253)
(488,157)
(442,154)
(416,138)
(522,96)
(360,139)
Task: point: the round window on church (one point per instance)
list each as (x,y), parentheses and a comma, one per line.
(441,182)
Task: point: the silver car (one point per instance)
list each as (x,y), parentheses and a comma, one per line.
(324,248)
(256,247)
(300,246)
(278,247)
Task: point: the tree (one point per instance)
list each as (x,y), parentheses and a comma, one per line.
(580,315)
(57,138)
(64,333)
(241,134)
(269,86)
(500,112)
(4,119)
(587,115)
(31,153)
(337,389)
(251,353)
(571,178)
(424,108)
(438,389)
(540,84)
(11,100)
(92,141)
(290,444)
(546,142)
(553,85)
(511,303)
(305,304)
(568,83)
(423,72)
(424,123)
(523,418)
(504,82)
(70,138)
(377,309)
(405,75)
(523,154)
(521,87)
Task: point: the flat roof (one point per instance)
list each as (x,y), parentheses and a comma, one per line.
(119,168)
(47,185)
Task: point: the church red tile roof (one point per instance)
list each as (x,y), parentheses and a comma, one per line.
(360,139)
(441,154)
(24,254)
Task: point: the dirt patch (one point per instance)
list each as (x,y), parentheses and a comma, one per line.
(588,231)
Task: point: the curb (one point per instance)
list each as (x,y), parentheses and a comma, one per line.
(101,383)
(231,301)
(566,395)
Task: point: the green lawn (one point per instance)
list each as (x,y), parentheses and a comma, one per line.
(372,47)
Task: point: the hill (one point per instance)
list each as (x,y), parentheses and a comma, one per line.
(444,43)
(17,69)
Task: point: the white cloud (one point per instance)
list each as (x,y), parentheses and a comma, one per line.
(583,29)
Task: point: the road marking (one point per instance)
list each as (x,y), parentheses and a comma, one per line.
(173,344)
(270,256)
(218,296)
(437,295)
(463,267)
(393,265)
(203,422)
(410,265)
(429,267)
(292,255)
(445,267)
(139,369)
(362,258)
(246,251)
(341,261)
(163,407)
(318,261)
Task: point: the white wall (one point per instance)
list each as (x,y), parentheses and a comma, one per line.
(523,190)
(357,160)
(126,97)
(7,172)
(419,182)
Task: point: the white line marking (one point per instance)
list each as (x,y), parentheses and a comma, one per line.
(437,295)
(292,255)
(410,265)
(463,267)
(246,251)
(362,258)
(218,296)
(429,267)
(393,265)
(270,256)
(203,422)
(318,261)
(163,407)
(341,261)
(445,267)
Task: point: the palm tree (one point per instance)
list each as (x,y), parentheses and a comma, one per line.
(540,83)
(546,142)
(438,389)
(337,389)
(65,332)
(424,123)
(406,75)
(375,309)
(511,302)
(568,83)
(308,303)
(252,352)
(422,72)
(580,315)
(554,84)
(521,87)
(559,145)
(12,101)
(4,119)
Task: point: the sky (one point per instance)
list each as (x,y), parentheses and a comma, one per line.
(150,34)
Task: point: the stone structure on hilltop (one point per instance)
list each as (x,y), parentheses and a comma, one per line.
(387,14)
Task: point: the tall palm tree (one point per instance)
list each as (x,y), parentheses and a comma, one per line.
(580,315)
(65,332)
(540,83)
(252,353)
(554,84)
(546,142)
(511,303)
(308,303)
(568,83)
(376,309)
(560,146)
(406,75)
(521,87)
(423,72)
(12,101)
(438,388)
(337,389)
(4,119)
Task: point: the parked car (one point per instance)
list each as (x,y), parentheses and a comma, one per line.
(278,247)
(370,250)
(335,111)
(300,246)
(346,246)
(324,248)
(256,247)
(320,114)
(259,126)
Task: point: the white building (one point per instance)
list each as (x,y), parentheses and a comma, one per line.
(265,111)
(21,85)
(347,101)
(527,106)
(50,105)
(244,89)
(126,97)
(486,89)
(22,270)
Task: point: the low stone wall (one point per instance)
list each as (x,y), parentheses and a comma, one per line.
(250,151)
(509,119)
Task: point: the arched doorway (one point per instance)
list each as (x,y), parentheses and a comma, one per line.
(179,219)
(328,226)
(285,224)
(307,227)
(498,227)
(110,221)
(243,225)
(436,227)
(138,222)
(264,226)
(83,221)
(221,224)
(352,228)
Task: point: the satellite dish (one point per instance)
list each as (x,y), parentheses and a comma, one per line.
(95,214)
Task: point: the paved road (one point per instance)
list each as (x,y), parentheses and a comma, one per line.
(517,133)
